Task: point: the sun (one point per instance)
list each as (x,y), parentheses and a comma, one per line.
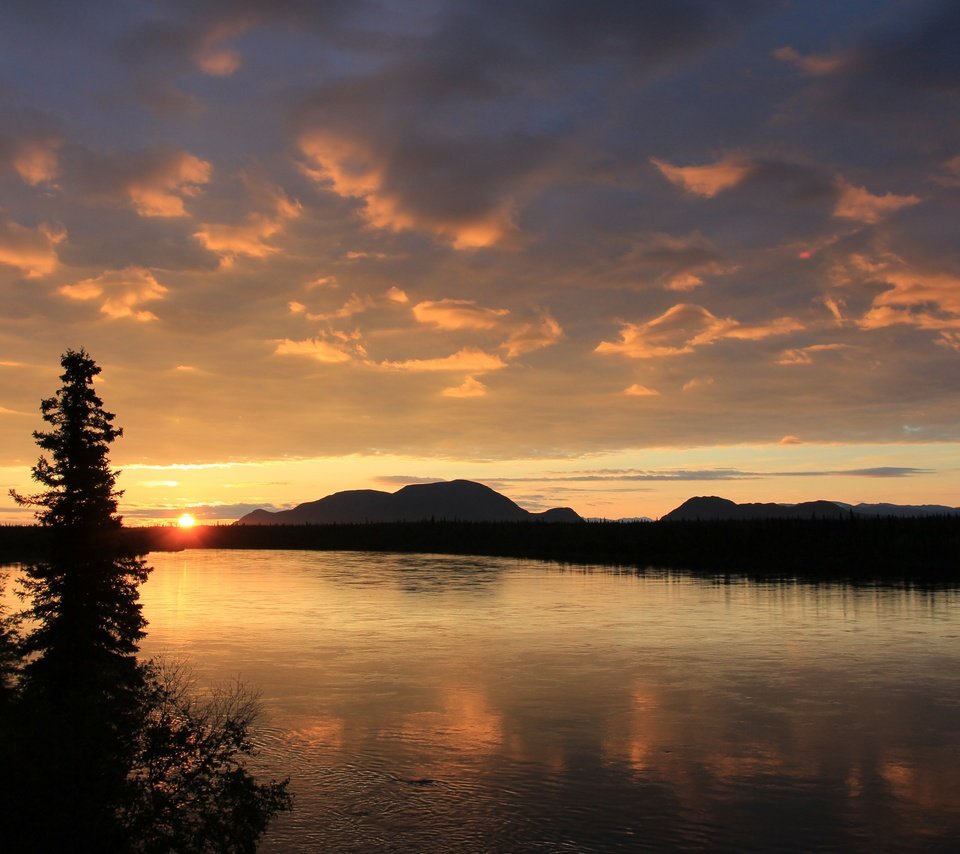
(187,520)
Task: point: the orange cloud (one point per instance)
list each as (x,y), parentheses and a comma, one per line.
(913,288)
(683,328)
(355,305)
(698,383)
(804,355)
(452,314)
(122,292)
(790,440)
(213,59)
(352,169)
(35,160)
(315,348)
(637,390)
(458,314)
(693,278)
(251,237)
(912,297)
(671,334)
(949,339)
(676,262)
(218,63)
(857,267)
(160,189)
(356,256)
(533,336)
(952,168)
(815,66)
(756,332)
(469,360)
(687,281)
(860,204)
(487,231)
(707,180)
(31,250)
(835,307)
(470,387)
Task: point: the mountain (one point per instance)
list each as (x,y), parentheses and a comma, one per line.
(454,500)
(904,510)
(714,508)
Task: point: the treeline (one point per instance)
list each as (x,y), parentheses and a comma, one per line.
(894,549)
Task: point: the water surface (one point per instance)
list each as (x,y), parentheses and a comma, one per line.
(434,703)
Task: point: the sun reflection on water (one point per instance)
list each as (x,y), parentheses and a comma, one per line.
(505,704)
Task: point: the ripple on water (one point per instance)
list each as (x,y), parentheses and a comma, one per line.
(425,703)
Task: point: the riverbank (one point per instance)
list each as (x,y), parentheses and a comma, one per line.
(889,549)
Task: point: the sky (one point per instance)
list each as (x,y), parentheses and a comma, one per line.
(604,255)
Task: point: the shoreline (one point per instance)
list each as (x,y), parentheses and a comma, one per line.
(906,550)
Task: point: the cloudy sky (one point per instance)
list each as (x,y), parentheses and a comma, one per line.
(606,255)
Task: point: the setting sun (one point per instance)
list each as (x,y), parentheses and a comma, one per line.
(187,521)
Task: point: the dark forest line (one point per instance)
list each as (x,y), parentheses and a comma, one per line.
(923,550)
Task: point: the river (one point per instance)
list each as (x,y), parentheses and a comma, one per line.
(428,703)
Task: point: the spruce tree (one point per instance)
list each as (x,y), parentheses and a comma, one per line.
(98,751)
(80,495)
(80,683)
(84,599)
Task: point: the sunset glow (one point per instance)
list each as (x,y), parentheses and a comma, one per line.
(186,521)
(604,260)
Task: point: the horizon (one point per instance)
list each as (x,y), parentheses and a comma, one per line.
(608,261)
(201,516)
(175,518)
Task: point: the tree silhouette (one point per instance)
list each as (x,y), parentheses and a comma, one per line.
(88,724)
(84,600)
(81,494)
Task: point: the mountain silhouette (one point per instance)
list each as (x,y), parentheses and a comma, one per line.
(454,500)
(908,510)
(712,507)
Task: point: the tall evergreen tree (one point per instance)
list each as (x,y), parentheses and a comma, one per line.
(102,752)
(84,600)
(81,684)
(80,494)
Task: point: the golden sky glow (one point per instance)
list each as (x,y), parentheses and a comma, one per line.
(341,246)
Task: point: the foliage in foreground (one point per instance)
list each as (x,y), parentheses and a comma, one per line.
(189,789)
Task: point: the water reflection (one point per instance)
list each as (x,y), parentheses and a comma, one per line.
(426,703)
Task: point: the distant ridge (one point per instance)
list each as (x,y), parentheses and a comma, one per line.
(713,508)
(454,500)
(905,510)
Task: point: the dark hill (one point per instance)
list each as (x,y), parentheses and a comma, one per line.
(709,508)
(904,510)
(455,500)
(557,514)
(712,508)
